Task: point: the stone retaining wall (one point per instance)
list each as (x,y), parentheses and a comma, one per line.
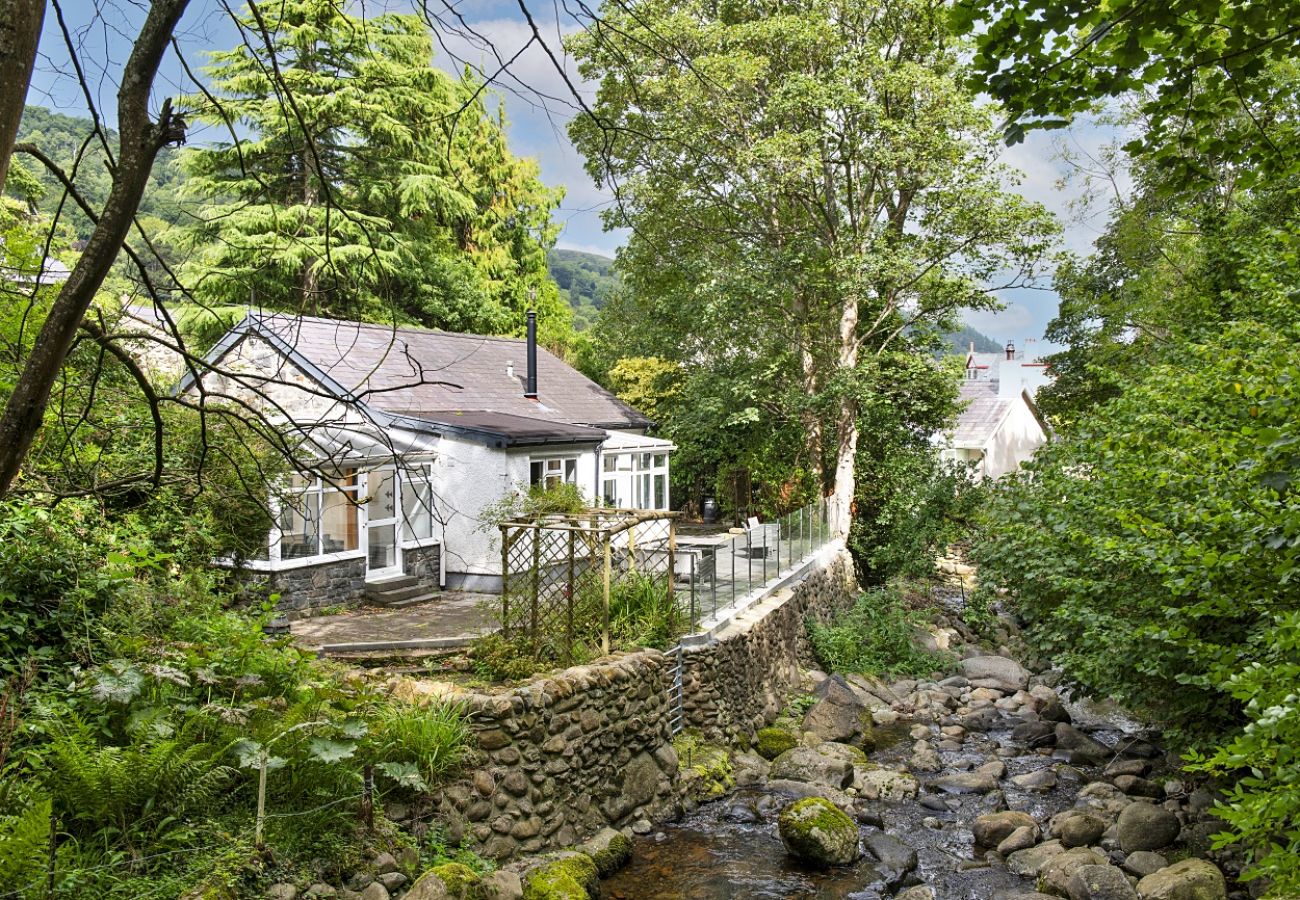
(736,684)
(566,756)
(590,747)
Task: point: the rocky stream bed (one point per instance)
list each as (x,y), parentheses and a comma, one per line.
(986,784)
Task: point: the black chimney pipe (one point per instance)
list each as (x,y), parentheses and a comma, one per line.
(530,387)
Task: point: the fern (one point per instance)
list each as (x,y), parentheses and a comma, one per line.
(143,789)
(24,845)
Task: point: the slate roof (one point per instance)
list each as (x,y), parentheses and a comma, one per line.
(979,421)
(411,371)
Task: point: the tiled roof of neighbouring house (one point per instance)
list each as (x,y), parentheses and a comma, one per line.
(408,370)
(984,412)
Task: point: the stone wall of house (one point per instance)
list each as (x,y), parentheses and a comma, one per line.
(424,563)
(311,587)
(564,756)
(739,682)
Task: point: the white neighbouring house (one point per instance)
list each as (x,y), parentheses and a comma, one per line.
(415,434)
(999,427)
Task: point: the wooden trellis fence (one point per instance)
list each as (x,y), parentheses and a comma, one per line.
(561,573)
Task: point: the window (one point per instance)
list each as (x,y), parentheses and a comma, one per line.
(417,501)
(550,472)
(319,516)
(609,494)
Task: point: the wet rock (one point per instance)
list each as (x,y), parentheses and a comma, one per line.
(894,859)
(1137,767)
(1083,749)
(992,829)
(1138,748)
(982,719)
(1191,879)
(1082,830)
(1100,883)
(924,759)
(1029,862)
(1135,786)
(1054,877)
(885,784)
(1022,838)
(1050,709)
(838,714)
(611,850)
(1040,780)
(568,876)
(1143,862)
(966,783)
(817,831)
(812,765)
(1035,734)
(1145,826)
(1005,674)
(750,768)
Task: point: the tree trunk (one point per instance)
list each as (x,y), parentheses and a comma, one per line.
(846,428)
(140,142)
(20,33)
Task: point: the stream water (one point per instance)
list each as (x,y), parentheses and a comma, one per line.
(730,848)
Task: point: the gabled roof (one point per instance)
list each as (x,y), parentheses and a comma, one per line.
(410,371)
(984,413)
(511,431)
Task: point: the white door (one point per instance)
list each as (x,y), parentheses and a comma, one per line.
(383,518)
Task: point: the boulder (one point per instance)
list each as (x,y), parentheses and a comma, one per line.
(1143,862)
(1022,838)
(1145,826)
(817,831)
(281,891)
(1050,709)
(966,783)
(894,859)
(838,714)
(1029,862)
(772,742)
(1191,879)
(1007,674)
(992,829)
(1099,883)
(813,766)
(1136,786)
(1083,749)
(884,784)
(1035,734)
(1081,830)
(610,850)
(501,885)
(428,887)
(568,876)
(374,891)
(1054,877)
(1040,780)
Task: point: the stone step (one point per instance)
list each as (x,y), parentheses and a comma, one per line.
(393,589)
(416,600)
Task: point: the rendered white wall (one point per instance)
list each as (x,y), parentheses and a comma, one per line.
(1014,442)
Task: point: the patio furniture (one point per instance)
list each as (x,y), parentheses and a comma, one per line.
(760,538)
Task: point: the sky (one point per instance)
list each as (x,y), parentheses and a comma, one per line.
(538,103)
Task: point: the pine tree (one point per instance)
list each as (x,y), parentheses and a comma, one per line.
(365,184)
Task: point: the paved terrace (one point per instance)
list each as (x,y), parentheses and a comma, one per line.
(452,620)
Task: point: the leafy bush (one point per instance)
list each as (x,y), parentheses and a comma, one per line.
(1154,553)
(497,658)
(875,637)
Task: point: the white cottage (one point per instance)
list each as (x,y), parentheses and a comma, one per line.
(415,434)
(999,427)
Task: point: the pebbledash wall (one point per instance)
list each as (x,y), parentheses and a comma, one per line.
(590,747)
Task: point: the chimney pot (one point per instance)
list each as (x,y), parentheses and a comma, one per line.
(1011,350)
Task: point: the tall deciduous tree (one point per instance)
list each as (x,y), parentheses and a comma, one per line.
(811,189)
(382,189)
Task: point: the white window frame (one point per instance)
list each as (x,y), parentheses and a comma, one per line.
(565,472)
(420,477)
(315,489)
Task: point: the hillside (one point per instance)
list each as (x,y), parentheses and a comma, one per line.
(585,281)
(961,341)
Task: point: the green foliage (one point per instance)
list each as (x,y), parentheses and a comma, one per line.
(24,844)
(497,658)
(1262,806)
(875,637)
(350,208)
(1208,76)
(1152,548)
(772,742)
(525,504)
(960,340)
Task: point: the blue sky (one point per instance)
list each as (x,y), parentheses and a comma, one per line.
(538,114)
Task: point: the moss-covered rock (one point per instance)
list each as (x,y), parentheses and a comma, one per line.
(706,768)
(610,850)
(817,831)
(570,877)
(772,742)
(461,881)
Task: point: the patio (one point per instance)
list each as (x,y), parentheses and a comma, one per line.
(452,620)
